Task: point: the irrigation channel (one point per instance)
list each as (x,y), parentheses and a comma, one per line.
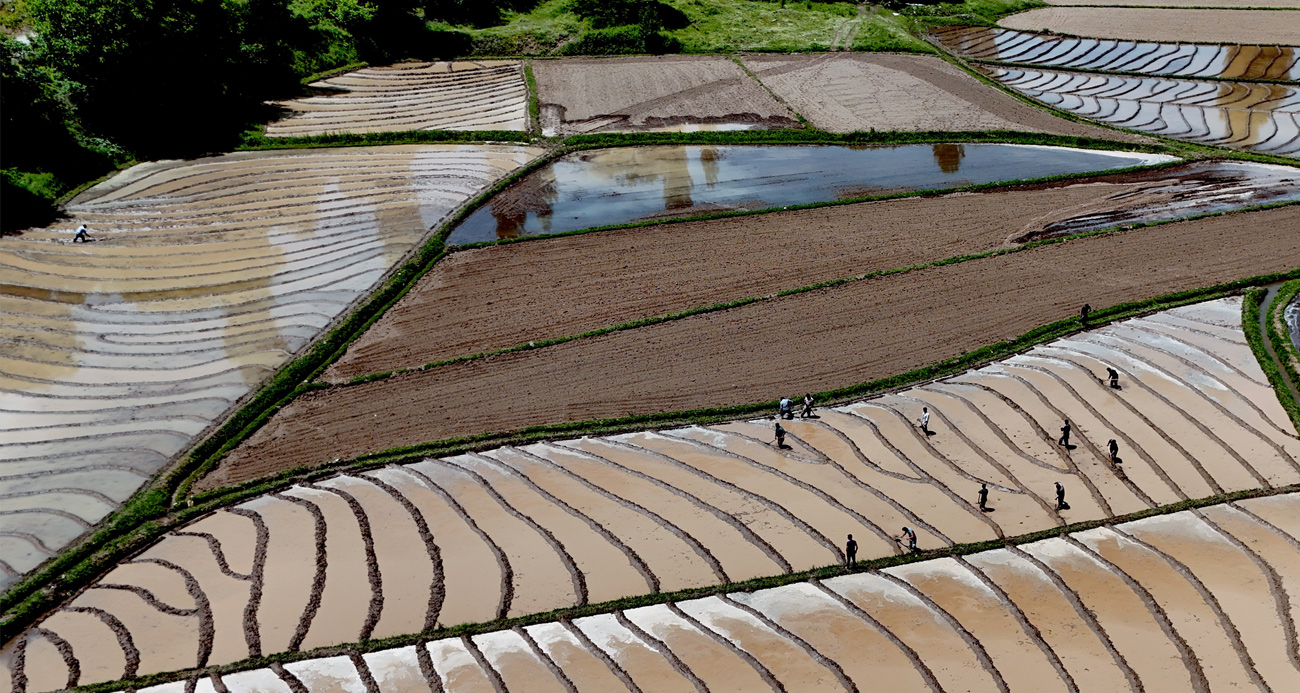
(617,186)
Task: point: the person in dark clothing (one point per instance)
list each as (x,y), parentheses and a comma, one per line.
(807,406)
(1084,312)
(1113,376)
(1065,435)
(908,537)
(780,435)
(984,497)
(1113,447)
(1060,497)
(851,552)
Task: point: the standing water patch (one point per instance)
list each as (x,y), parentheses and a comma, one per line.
(617,186)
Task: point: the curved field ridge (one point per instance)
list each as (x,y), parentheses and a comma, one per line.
(1241,115)
(1256,27)
(488,95)
(1145,57)
(1191,601)
(515,531)
(203,277)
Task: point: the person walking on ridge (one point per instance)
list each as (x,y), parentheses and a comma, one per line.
(984,497)
(1113,448)
(1060,497)
(925,421)
(909,537)
(780,435)
(851,552)
(1113,376)
(1084,312)
(807,406)
(1065,435)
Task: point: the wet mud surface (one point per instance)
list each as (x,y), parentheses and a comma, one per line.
(515,531)
(200,280)
(482,95)
(1148,605)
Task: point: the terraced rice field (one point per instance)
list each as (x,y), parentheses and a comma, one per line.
(860,91)
(1241,115)
(1195,600)
(1144,57)
(201,280)
(652,93)
(562,286)
(816,341)
(1281,4)
(403,548)
(1252,27)
(486,95)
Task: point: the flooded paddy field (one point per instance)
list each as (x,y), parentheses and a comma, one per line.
(520,530)
(201,278)
(846,92)
(564,286)
(1240,115)
(1241,62)
(815,341)
(658,93)
(1194,600)
(1251,27)
(627,184)
(484,95)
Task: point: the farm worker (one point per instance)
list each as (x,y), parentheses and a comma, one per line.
(910,537)
(925,420)
(1065,435)
(784,408)
(984,497)
(81,235)
(807,406)
(780,435)
(1084,312)
(851,552)
(1113,447)
(1060,497)
(1113,376)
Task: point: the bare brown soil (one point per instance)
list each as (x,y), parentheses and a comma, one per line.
(847,92)
(809,342)
(648,93)
(491,298)
(1258,27)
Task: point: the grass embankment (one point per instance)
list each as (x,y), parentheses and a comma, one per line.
(1264,346)
(971,12)
(1284,350)
(652,599)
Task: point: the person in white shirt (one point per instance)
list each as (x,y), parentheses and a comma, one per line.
(925,421)
(81,235)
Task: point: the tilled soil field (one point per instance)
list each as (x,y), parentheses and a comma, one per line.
(850,92)
(482,300)
(649,93)
(809,342)
(1260,27)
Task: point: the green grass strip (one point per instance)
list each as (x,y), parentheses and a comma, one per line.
(753,585)
(1284,349)
(1250,310)
(333,72)
(534,107)
(728,305)
(256,141)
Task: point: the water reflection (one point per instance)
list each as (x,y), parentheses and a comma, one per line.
(615,186)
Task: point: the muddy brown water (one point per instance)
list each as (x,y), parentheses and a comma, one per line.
(616,186)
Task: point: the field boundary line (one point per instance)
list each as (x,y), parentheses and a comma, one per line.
(1270,348)
(740,302)
(1139,75)
(653,599)
(534,106)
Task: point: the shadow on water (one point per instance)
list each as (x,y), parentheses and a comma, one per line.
(627,184)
